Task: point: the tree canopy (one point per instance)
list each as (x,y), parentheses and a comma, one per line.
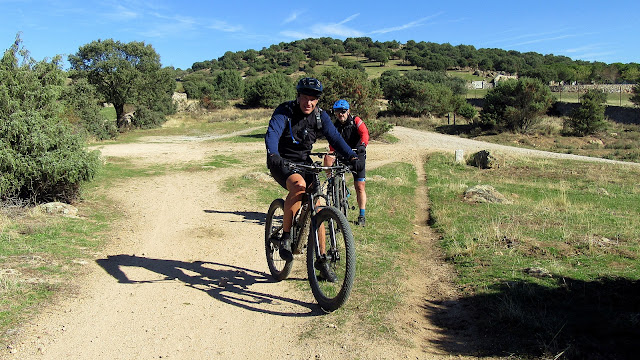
(122,73)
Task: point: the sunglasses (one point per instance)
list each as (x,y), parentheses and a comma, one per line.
(341,111)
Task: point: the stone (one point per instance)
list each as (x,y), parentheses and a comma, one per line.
(58,208)
(483,160)
(485,194)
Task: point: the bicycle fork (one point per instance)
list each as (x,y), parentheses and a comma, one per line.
(329,241)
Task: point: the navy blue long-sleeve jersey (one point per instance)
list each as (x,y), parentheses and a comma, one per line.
(291,133)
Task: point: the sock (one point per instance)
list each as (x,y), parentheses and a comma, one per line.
(361,212)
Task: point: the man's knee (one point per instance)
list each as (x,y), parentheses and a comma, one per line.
(296,185)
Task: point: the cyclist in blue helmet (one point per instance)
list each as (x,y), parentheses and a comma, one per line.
(293,129)
(355,133)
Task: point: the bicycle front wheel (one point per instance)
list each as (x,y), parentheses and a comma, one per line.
(279,268)
(340,256)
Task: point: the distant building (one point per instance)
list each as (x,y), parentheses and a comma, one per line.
(479,84)
(500,77)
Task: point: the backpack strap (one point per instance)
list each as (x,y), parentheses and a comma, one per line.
(318,120)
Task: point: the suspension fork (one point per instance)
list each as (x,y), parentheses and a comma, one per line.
(329,237)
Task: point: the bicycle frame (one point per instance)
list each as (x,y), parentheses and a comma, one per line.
(337,190)
(336,263)
(310,199)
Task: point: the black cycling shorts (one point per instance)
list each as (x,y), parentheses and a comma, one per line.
(360,175)
(281,173)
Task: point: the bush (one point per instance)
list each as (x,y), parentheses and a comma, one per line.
(83,111)
(41,158)
(421,93)
(589,117)
(415,98)
(353,86)
(269,91)
(467,111)
(229,84)
(214,103)
(377,128)
(635,98)
(515,105)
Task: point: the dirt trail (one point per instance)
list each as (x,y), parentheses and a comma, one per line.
(185,275)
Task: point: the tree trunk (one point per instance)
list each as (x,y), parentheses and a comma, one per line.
(120,120)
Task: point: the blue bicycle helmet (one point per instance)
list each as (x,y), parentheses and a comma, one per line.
(341,104)
(310,86)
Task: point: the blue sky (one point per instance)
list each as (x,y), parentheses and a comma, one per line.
(183,32)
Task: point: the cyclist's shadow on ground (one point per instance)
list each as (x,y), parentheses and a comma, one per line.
(227,283)
(248,216)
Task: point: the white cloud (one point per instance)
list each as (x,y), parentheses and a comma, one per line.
(583,48)
(294,15)
(122,13)
(223,26)
(408,25)
(348,19)
(533,41)
(337,30)
(297,34)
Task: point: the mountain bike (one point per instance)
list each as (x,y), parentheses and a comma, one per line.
(337,190)
(309,223)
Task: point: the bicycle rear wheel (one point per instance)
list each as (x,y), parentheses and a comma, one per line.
(340,255)
(280,268)
(343,198)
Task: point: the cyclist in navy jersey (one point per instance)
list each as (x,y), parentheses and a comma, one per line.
(293,129)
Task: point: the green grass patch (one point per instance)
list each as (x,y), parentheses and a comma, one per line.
(564,213)
(379,281)
(572,226)
(256,135)
(222,161)
(39,255)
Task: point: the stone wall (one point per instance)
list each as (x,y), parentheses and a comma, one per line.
(619,114)
(608,88)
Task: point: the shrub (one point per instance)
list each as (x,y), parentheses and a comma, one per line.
(421,92)
(467,111)
(229,84)
(269,91)
(83,111)
(214,103)
(635,98)
(198,85)
(415,98)
(353,86)
(589,117)
(515,105)
(377,128)
(41,158)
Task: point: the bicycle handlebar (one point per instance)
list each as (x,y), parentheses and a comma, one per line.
(316,168)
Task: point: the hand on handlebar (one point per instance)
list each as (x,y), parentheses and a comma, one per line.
(357,163)
(274,160)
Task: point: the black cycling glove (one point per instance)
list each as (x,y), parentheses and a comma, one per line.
(357,163)
(274,160)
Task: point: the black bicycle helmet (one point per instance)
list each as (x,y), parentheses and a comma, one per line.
(309,86)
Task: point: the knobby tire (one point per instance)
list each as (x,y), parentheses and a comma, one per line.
(279,268)
(331,296)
